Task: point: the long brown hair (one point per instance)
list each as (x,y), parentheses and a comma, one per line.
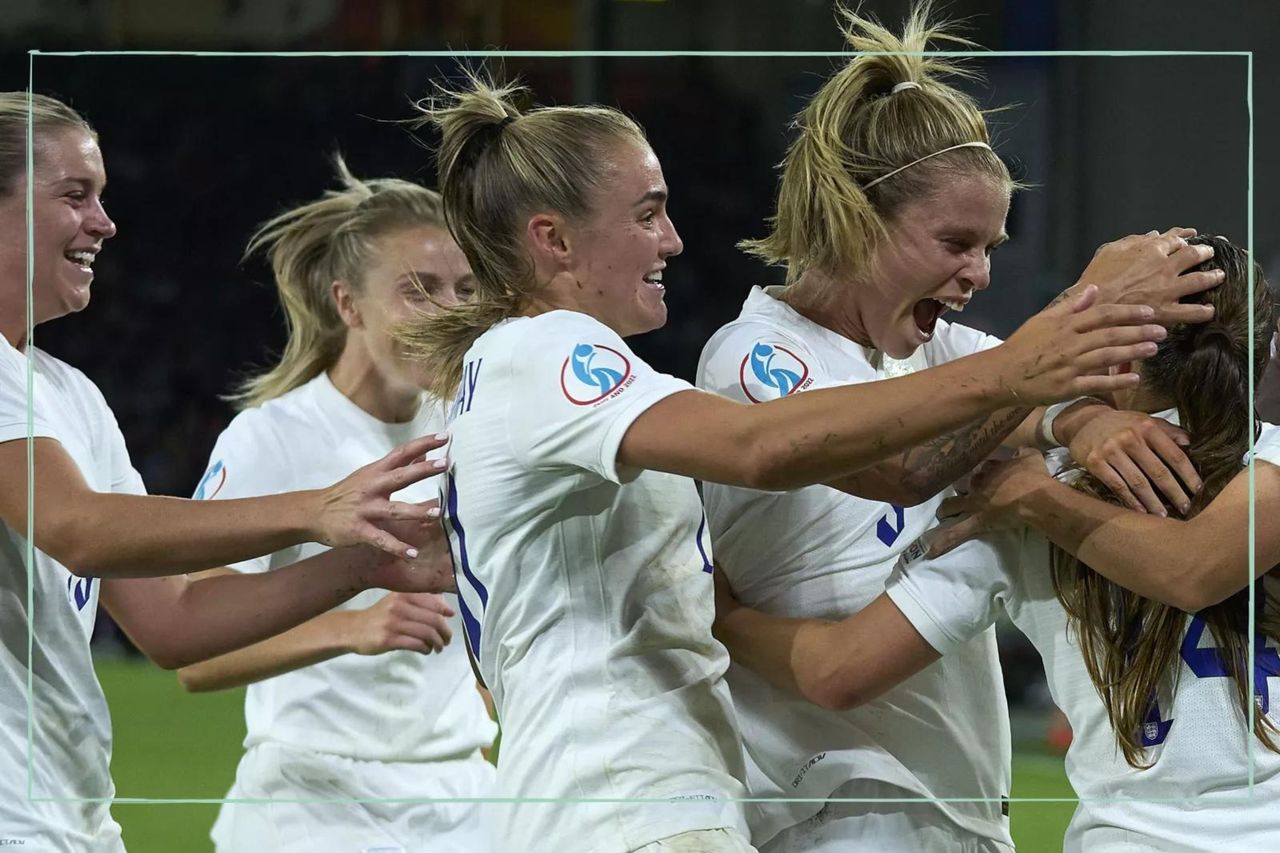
(858,129)
(1131,644)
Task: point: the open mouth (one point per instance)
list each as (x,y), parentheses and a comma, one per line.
(927,311)
(654,280)
(83,260)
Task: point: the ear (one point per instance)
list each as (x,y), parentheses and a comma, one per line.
(548,236)
(344,300)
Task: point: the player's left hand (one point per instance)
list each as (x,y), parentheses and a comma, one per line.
(1130,452)
(996,489)
(430,571)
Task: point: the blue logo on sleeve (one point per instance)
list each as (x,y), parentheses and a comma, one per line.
(593,372)
(770,371)
(212,481)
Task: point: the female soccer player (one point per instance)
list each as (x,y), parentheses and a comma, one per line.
(95,533)
(583,561)
(1141,620)
(323,723)
(875,253)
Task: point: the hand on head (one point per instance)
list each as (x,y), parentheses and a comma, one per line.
(1151,269)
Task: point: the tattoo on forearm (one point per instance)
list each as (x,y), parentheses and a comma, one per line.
(939,462)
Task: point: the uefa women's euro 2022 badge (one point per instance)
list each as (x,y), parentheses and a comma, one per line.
(593,373)
(772,370)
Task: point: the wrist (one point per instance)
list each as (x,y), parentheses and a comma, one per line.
(1064,420)
(343,625)
(302,514)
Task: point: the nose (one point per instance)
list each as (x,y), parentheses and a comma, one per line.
(977,273)
(98,223)
(671,244)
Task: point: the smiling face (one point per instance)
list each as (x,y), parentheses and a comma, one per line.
(69,222)
(619,249)
(937,255)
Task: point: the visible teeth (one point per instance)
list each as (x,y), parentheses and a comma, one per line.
(85,259)
(954,304)
(654,277)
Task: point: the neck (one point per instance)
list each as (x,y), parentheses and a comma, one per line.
(13,316)
(1142,400)
(355,376)
(828,301)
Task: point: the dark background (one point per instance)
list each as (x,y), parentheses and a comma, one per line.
(200,149)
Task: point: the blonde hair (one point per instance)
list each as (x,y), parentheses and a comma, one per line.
(312,246)
(497,165)
(857,129)
(47,114)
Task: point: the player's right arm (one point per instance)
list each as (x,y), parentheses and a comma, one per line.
(411,621)
(820,435)
(109,534)
(927,610)
(1189,564)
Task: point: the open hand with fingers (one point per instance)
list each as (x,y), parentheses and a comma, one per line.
(1066,349)
(1151,269)
(418,622)
(359,510)
(430,571)
(1135,455)
(992,502)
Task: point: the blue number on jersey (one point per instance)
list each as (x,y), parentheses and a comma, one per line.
(1209,663)
(888,531)
(702,549)
(79,590)
(469,621)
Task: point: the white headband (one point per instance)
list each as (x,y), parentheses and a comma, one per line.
(909,84)
(871,184)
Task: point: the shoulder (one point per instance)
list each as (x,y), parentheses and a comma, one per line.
(953,340)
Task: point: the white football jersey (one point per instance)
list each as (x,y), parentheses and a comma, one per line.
(1195,735)
(587,596)
(70,747)
(820,553)
(398,706)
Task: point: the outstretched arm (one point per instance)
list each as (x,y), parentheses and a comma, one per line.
(108,534)
(413,621)
(815,436)
(1189,564)
(177,621)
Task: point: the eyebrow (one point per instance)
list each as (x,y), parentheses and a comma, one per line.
(86,183)
(972,235)
(652,195)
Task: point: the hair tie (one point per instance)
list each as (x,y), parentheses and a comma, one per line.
(906,84)
(506,121)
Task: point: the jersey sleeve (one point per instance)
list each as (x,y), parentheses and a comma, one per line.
(248,460)
(574,390)
(1267,447)
(125,479)
(753,362)
(14,401)
(955,597)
